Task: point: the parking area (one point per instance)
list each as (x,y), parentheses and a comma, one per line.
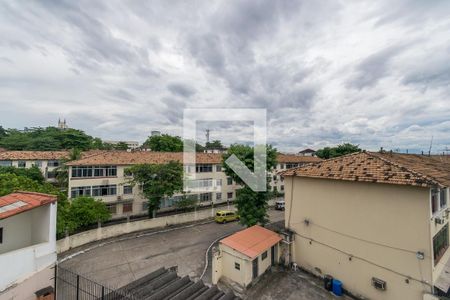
(118,263)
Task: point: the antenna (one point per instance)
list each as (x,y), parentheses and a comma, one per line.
(207,135)
(431,145)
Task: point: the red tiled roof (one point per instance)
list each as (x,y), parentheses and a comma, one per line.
(252,241)
(150,157)
(294,158)
(19,202)
(32,155)
(391,168)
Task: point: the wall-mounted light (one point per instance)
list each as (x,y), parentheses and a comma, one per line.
(420,255)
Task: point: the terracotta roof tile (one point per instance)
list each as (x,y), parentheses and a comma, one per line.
(32,155)
(252,241)
(144,157)
(19,202)
(402,169)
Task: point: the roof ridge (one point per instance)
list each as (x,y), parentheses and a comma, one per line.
(33,193)
(398,165)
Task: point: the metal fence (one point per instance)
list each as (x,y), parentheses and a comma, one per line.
(72,286)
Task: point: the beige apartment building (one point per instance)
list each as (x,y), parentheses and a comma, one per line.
(46,161)
(376,221)
(284,162)
(103,176)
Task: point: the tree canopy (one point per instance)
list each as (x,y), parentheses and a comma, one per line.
(216,144)
(251,205)
(51,139)
(33,173)
(342,149)
(157,181)
(169,143)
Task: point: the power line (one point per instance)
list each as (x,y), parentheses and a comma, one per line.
(365,260)
(362,240)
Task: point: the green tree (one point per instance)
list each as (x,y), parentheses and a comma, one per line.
(2,132)
(157,181)
(50,138)
(62,172)
(342,149)
(164,143)
(87,210)
(187,202)
(251,205)
(216,144)
(33,173)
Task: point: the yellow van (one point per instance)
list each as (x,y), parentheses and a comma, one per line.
(225,216)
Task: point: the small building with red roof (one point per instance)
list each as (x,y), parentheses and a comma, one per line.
(27,244)
(245,255)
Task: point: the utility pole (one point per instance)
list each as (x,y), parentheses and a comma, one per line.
(207,135)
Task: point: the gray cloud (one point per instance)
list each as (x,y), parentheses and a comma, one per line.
(327,72)
(180,89)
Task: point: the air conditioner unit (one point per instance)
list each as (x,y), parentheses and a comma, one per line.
(119,198)
(378,284)
(439,220)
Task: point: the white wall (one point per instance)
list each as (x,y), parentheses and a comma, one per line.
(26,259)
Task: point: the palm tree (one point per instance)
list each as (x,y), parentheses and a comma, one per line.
(62,172)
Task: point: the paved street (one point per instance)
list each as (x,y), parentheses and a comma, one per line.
(121,262)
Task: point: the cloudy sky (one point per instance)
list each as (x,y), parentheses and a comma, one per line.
(375,73)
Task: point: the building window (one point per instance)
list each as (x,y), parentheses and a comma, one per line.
(229,181)
(21,164)
(5,163)
(291,165)
(218,182)
(104,190)
(51,174)
(145,206)
(112,208)
(127,207)
(274,177)
(443,198)
(38,163)
(264,255)
(237,266)
(1,235)
(96,171)
(127,189)
(218,196)
(202,168)
(229,195)
(282,188)
(281,166)
(205,197)
(53,163)
(440,244)
(80,191)
(218,168)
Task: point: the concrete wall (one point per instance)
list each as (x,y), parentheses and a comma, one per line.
(348,224)
(25,290)
(89,236)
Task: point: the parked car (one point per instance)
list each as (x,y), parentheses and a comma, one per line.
(225,216)
(279,205)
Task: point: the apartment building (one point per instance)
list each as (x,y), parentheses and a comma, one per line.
(103,176)
(284,162)
(379,222)
(27,245)
(46,161)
